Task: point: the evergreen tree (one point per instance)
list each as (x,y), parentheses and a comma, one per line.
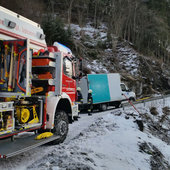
(54,30)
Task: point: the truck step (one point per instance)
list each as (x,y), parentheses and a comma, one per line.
(21,144)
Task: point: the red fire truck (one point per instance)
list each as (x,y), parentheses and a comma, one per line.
(37,86)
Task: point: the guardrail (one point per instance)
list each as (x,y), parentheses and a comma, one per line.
(163,97)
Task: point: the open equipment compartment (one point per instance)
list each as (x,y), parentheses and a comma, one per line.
(43,70)
(6,117)
(15,68)
(19,111)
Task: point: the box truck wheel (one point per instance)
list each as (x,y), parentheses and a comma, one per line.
(132,99)
(117,104)
(103,107)
(60,126)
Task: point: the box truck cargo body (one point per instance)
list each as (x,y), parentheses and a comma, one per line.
(106,90)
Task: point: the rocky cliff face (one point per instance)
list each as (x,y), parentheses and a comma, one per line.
(146,75)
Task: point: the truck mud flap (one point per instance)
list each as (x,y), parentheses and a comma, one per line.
(10,148)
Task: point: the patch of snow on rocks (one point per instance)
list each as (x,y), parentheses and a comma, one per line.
(129,60)
(88,30)
(97,67)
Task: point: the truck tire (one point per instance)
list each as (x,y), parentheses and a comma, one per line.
(103,107)
(131,99)
(60,126)
(117,104)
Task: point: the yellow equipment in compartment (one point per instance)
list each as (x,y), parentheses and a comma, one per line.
(1,122)
(27,114)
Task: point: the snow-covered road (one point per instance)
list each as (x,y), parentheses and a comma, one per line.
(108,140)
(22,161)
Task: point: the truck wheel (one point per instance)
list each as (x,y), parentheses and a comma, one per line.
(103,107)
(131,99)
(60,126)
(117,104)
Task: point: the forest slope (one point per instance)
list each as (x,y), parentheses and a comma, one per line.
(131,37)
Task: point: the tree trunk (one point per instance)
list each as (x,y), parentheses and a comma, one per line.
(70,11)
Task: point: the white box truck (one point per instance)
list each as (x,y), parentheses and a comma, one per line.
(106,90)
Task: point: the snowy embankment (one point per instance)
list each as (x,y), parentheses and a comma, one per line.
(109,140)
